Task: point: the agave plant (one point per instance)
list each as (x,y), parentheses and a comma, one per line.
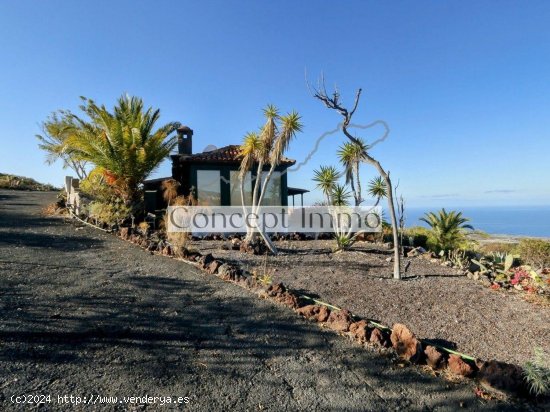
(447,228)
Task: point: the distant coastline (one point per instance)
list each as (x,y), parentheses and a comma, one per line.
(500,222)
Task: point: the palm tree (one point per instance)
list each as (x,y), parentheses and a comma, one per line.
(266,148)
(447,228)
(56,130)
(340,195)
(351,155)
(377,188)
(326,178)
(122,144)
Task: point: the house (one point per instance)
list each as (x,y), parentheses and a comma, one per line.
(213,176)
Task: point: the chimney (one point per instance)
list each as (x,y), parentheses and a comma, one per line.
(185,140)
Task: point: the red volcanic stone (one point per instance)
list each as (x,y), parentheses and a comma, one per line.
(205,260)
(323,315)
(314,312)
(288,299)
(405,343)
(213,266)
(434,358)
(360,331)
(502,376)
(379,338)
(228,272)
(124,233)
(458,366)
(339,320)
(308,311)
(276,289)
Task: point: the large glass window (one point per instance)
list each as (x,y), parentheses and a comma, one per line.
(209,187)
(235,188)
(272,195)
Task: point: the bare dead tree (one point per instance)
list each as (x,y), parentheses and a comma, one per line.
(333,102)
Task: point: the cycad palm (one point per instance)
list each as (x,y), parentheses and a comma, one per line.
(123,145)
(351,154)
(447,228)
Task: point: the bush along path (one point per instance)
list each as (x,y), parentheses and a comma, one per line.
(495,380)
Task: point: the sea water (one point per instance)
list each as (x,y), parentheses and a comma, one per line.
(506,220)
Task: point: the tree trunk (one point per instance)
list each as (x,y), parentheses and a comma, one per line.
(391,206)
(359,197)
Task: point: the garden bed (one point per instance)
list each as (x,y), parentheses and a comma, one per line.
(436,302)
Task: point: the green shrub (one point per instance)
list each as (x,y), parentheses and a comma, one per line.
(535,252)
(110,213)
(416,236)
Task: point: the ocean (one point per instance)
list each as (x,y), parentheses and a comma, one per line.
(503,220)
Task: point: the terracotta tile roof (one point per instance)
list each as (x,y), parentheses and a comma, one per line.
(226,154)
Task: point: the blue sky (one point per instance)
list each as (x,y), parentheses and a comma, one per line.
(463,86)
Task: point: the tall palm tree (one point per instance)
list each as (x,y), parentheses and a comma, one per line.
(377,188)
(326,178)
(266,149)
(447,228)
(122,144)
(351,155)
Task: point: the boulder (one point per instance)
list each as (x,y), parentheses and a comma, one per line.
(308,311)
(405,343)
(379,338)
(152,246)
(502,377)
(228,272)
(288,299)
(460,367)
(235,244)
(205,260)
(323,315)
(339,320)
(360,331)
(213,267)
(125,233)
(434,358)
(276,289)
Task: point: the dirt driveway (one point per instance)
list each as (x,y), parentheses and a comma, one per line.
(83,313)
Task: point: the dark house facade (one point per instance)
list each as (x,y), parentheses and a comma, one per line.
(213,177)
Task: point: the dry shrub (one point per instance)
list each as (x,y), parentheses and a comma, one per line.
(178,240)
(535,252)
(497,247)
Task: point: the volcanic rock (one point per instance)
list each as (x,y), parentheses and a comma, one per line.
(405,343)
(458,366)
